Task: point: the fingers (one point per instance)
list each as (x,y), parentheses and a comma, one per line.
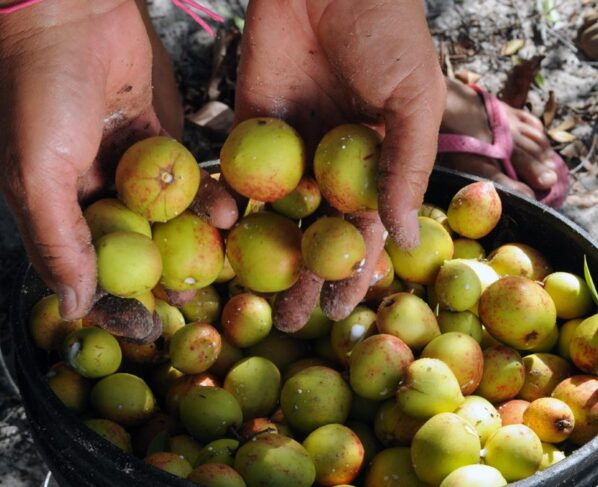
(407,158)
(213,203)
(339,298)
(293,307)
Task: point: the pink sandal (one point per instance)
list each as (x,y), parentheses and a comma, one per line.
(502,148)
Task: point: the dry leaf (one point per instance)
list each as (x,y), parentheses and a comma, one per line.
(576,149)
(467,77)
(566,124)
(215,116)
(519,80)
(512,47)
(561,136)
(549,109)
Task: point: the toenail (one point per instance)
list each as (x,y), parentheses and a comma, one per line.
(550,164)
(548,177)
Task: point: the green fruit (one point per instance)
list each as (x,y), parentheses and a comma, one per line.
(92,352)
(183,385)
(157,178)
(565,335)
(315,397)
(246,319)
(504,374)
(186,447)
(318,325)
(551,455)
(204,307)
(219,452)
(337,454)
(429,388)
(580,393)
(481,414)
(346,167)
(171,463)
(255,383)
(435,213)
(192,252)
(301,202)
(276,461)
(463,322)
(110,215)
(518,312)
(172,319)
(393,427)
(123,398)
(584,345)
(517,259)
(302,364)
(279,348)
(363,410)
(47,327)
(420,265)
(227,272)
(462,354)
(228,357)
(69,387)
(543,372)
(393,468)
(443,444)
(515,450)
(409,318)
(194,348)
(264,249)
(468,249)
(457,286)
(263,159)
(333,248)
(475,210)
(216,475)
(129,264)
(570,294)
(377,365)
(112,432)
(345,334)
(208,412)
(474,476)
(371,445)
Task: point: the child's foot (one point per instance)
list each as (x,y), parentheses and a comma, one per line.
(532,155)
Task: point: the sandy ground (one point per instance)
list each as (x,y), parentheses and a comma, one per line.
(470,35)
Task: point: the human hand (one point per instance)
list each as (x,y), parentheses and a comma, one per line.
(317,64)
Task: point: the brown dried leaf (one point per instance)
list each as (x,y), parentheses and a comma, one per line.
(512,47)
(561,136)
(467,77)
(567,124)
(549,109)
(519,80)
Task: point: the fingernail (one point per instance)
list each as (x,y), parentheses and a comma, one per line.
(68,302)
(407,234)
(549,163)
(549,177)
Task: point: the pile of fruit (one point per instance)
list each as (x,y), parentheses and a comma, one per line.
(453,369)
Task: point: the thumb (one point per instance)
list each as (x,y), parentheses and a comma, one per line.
(412,123)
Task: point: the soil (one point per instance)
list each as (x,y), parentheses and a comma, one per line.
(477,41)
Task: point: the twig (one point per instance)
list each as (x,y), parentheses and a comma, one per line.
(562,38)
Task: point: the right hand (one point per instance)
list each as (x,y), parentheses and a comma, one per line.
(75,79)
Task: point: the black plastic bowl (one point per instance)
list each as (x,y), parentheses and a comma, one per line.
(78,457)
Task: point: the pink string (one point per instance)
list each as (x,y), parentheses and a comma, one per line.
(185,6)
(18,6)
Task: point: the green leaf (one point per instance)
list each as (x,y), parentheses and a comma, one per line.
(589,280)
(239,23)
(539,80)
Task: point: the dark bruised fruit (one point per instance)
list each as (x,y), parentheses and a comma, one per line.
(143,353)
(264,250)
(92,352)
(110,215)
(216,475)
(125,318)
(112,432)
(209,412)
(194,348)
(275,460)
(263,159)
(124,398)
(70,387)
(346,167)
(129,264)
(246,319)
(333,248)
(170,462)
(48,329)
(517,311)
(204,306)
(157,178)
(192,252)
(301,202)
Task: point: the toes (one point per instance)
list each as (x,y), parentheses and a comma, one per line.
(529,119)
(531,170)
